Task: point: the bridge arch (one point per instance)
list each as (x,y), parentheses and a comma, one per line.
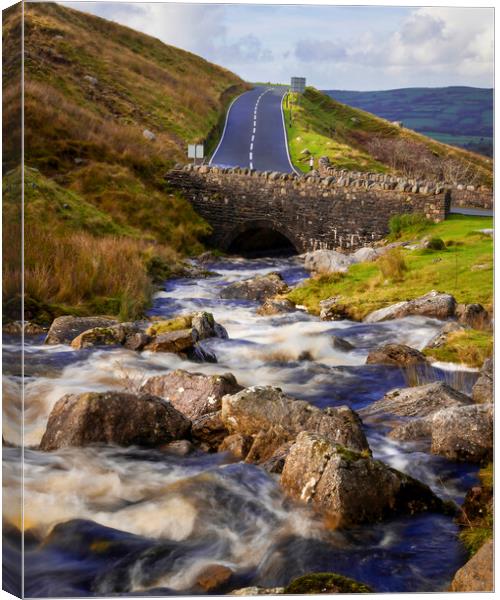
(261,237)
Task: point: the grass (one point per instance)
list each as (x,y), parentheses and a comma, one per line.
(464,268)
(324,133)
(78,260)
(101,225)
(359,141)
(480,530)
(469,347)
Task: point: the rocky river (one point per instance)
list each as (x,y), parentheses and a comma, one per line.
(105,519)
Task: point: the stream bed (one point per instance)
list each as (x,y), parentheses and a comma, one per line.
(104,520)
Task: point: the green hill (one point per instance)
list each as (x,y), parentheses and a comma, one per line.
(357,140)
(458,115)
(108,111)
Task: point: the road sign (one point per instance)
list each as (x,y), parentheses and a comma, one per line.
(298,85)
(196,151)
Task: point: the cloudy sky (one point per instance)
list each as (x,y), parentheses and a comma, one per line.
(356,48)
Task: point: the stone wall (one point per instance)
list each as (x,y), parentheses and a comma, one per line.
(465,198)
(312,212)
(462,195)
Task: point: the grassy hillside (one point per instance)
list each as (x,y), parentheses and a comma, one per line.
(462,267)
(358,140)
(457,115)
(94,180)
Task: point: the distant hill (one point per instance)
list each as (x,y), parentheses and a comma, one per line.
(357,140)
(458,115)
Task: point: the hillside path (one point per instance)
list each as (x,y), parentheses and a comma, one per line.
(254,134)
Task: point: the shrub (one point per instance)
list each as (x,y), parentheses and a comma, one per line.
(412,223)
(392,264)
(435,243)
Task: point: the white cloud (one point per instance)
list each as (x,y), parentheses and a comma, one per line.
(335,47)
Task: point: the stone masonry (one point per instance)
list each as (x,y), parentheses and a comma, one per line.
(313,212)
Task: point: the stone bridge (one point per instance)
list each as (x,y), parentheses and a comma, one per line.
(251,211)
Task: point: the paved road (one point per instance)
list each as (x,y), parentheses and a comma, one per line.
(475,212)
(254,134)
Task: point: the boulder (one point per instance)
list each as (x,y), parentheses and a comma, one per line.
(113,418)
(464,433)
(332,309)
(206,327)
(272,418)
(395,354)
(137,341)
(442,336)
(65,329)
(258,288)
(237,444)
(327,261)
(178,448)
(193,394)
(100,336)
(419,401)
(91,80)
(459,433)
(213,577)
(340,344)
(477,574)
(416,429)
(149,135)
(434,304)
(482,390)
(474,316)
(174,341)
(366,254)
(350,488)
(276,306)
(209,431)
(326,583)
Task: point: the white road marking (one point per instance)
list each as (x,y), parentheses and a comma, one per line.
(250,154)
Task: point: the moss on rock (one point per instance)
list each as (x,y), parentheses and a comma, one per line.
(175,324)
(326,583)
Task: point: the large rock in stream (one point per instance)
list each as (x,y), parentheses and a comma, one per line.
(273,420)
(436,305)
(459,433)
(113,418)
(65,329)
(418,401)
(482,391)
(193,394)
(348,487)
(398,355)
(126,334)
(258,288)
(477,574)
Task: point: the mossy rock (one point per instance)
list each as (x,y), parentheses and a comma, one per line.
(326,583)
(175,324)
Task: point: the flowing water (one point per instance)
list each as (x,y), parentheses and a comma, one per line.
(106,520)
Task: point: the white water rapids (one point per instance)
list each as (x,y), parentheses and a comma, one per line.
(210,509)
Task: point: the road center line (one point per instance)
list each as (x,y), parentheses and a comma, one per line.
(250,154)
